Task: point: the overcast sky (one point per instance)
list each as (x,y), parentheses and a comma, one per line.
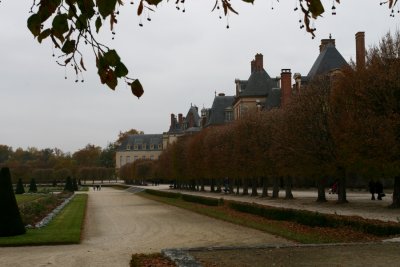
(180,58)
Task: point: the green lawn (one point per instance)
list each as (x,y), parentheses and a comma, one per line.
(65,228)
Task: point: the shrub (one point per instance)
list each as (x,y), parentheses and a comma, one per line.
(75,184)
(316,219)
(10,219)
(201,200)
(32,186)
(20,187)
(69,187)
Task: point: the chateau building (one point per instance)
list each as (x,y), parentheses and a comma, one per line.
(259,92)
(139,146)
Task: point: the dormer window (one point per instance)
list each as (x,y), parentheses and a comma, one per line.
(144,146)
(128,147)
(160,146)
(135,147)
(152,147)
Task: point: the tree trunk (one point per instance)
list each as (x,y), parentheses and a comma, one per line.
(264,187)
(202,185)
(288,187)
(212,186)
(321,183)
(219,190)
(254,187)
(396,194)
(341,172)
(230,185)
(275,187)
(245,187)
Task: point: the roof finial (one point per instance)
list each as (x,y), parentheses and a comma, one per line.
(215,93)
(330,36)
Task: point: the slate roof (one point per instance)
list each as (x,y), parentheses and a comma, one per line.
(258,84)
(273,99)
(196,117)
(329,59)
(140,139)
(217,111)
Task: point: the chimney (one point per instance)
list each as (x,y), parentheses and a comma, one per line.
(221,94)
(180,119)
(172,121)
(325,42)
(286,86)
(253,65)
(360,50)
(258,64)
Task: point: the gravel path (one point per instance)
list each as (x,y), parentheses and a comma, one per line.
(119,223)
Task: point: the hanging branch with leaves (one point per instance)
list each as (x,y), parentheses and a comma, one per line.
(69,25)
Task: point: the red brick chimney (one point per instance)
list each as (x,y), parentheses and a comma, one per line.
(360,50)
(180,119)
(286,86)
(325,42)
(258,64)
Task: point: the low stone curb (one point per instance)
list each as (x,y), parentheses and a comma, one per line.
(45,221)
(181,257)
(134,189)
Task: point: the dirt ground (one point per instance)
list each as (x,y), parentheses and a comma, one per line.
(119,224)
(387,254)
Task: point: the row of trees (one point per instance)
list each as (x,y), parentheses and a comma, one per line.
(48,165)
(343,127)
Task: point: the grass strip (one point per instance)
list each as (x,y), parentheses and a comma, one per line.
(269,226)
(65,228)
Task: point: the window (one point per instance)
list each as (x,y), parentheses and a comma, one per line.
(228,115)
(159,146)
(135,147)
(144,146)
(128,159)
(151,157)
(121,161)
(152,147)
(143,157)
(135,158)
(128,147)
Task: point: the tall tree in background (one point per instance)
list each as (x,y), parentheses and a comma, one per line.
(88,156)
(5,153)
(370,114)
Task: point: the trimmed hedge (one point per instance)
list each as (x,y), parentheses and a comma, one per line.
(202,200)
(163,193)
(189,198)
(316,219)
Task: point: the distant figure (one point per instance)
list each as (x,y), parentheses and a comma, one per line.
(94,188)
(379,190)
(372,189)
(333,189)
(100,187)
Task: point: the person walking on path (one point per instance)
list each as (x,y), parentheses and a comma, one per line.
(372,190)
(379,190)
